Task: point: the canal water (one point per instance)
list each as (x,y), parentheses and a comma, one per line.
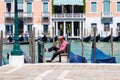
(75,48)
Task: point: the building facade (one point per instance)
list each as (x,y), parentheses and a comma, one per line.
(31,13)
(103,14)
(68,17)
(61,17)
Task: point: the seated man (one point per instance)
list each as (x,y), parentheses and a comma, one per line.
(58,49)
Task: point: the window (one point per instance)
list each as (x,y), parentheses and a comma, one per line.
(118,6)
(45,7)
(106,6)
(9,29)
(106,27)
(29,7)
(20,1)
(93,25)
(45,28)
(45,20)
(20,5)
(58,9)
(28,27)
(93,7)
(118,26)
(8,6)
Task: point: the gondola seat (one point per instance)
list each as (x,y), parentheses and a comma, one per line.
(65,54)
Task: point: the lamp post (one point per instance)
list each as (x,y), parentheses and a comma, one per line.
(16,57)
(16,48)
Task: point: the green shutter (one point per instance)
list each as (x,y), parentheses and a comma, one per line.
(118,6)
(20,1)
(45,7)
(93,7)
(106,6)
(29,7)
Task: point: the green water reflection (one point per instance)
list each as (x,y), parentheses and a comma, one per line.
(75,47)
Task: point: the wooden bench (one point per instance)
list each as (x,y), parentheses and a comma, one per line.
(65,54)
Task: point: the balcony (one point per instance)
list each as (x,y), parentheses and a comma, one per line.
(68,16)
(45,20)
(45,14)
(20,15)
(107,15)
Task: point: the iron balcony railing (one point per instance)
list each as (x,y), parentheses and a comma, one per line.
(69,15)
(107,14)
(20,14)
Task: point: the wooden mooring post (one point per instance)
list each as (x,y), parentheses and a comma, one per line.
(112,42)
(32,44)
(40,52)
(82,41)
(1,45)
(94,44)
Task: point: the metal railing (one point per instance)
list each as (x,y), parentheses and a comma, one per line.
(69,15)
(20,14)
(107,14)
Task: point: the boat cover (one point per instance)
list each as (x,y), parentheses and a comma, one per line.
(101,57)
(76,58)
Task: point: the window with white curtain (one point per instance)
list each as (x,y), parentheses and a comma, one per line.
(106,27)
(20,5)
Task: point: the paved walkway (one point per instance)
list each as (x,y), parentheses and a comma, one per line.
(61,71)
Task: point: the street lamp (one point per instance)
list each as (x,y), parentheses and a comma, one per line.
(16,48)
(16,57)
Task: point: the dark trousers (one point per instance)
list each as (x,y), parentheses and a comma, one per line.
(56,53)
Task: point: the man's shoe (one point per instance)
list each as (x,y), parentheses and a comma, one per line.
(48,61)
(45,50)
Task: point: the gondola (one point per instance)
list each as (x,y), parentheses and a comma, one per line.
(116,39)
(51,39)
(100,57)
(105,39)
(87,39)
(97,38)
(44,39)
(77,59)
(20,42)
(24,42)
